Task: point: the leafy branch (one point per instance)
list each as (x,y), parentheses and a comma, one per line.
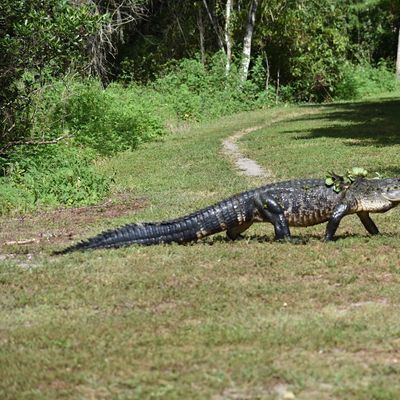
(33,142)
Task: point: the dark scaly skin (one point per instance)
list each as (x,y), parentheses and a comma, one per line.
(303,202)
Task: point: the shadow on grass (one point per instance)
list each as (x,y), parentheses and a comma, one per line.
(366,123)
(369,123)
(296,239)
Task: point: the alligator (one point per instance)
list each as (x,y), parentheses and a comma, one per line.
(303,202)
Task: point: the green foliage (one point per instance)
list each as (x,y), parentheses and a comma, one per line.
(38,41)
(314,48)
(318,47)
(372,28)
(311,43)
(194,91)
(306,43)
(169,32)
(14,199)
(258,74)
(107,120)
(50,175)
(342,182)
(363,80)
(95,121)
(110,120)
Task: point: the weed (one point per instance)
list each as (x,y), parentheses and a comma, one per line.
(49,176)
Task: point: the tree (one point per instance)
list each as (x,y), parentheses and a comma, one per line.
(200,26)
(228,38)
(251,20)
(398,58)
(214,23)
(40,40)
(44,40)
(122,15)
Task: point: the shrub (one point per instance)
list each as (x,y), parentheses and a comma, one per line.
(14,199)
(50,175)
(39,40)
(107,120)
(197,92)
(96,121)
(362,80)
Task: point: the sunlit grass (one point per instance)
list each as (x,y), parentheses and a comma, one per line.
(252,319)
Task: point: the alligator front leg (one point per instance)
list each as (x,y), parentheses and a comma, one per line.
(272,212)
(338,213)
(369,225)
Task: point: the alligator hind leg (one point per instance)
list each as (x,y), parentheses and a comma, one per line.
(271,211)
(369,225)
(235,233)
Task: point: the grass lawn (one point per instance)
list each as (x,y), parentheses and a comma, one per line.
(252,319)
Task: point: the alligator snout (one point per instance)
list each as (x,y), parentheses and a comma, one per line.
(393,196)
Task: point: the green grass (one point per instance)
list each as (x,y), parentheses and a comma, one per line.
(253,319)
(334,136)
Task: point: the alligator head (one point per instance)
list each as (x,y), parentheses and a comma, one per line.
(377,195)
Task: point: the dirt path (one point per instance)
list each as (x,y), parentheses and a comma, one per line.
(245,165)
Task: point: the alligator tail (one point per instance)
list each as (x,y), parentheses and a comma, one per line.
(197,225)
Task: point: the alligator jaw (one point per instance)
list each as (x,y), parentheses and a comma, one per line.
(393,196)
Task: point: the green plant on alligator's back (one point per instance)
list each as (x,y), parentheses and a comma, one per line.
(342,182)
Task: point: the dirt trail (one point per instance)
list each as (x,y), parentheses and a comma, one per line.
(246,165)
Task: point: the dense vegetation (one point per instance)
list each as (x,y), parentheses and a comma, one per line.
(80,80)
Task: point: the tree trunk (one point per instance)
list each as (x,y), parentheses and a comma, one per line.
(228,39)
(277,87)
(201,35)
(248,38)
(268,72)
(398,58)
(211,16)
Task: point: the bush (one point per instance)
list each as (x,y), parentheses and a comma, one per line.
(14,199)
(363,80)
(50,175)
(194,91)
(107,120)
(39,40)
(98,122)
